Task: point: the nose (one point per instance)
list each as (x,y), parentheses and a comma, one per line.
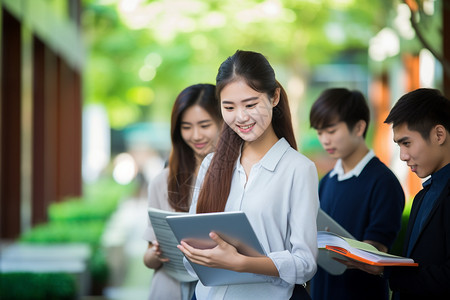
(324,139)
(242,115)
(404,156)
(197,134)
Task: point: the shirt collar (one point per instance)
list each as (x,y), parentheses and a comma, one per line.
(272,157)
(339,170)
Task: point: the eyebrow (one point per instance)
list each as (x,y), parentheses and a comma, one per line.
(200,122)
(243,100)
(401,140)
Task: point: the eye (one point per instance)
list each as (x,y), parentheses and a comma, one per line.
(204,126)
(228,108)
(331,131)
(184,127)
(251,105)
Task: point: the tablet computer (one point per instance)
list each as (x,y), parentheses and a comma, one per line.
(233,227)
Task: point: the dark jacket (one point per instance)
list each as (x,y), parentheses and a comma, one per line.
(431,280)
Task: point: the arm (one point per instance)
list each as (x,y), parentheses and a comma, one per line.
(157,198)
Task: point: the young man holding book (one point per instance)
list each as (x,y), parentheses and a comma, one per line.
(421,125)
(360,193)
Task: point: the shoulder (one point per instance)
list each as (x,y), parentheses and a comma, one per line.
(158,185)
(325,178)
(161,178)
(297,166)
(379,171)
(295,158)
(157,193)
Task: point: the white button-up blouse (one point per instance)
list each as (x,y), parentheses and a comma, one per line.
(280,199)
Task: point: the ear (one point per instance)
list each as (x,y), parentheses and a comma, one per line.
(440,134)
(359,128)
(276,97)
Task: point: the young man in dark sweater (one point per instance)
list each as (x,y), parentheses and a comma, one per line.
(360,193)
(421,125)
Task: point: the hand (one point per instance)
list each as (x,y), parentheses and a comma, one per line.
(153,258)
(158,253)
(353,264)
(223,256)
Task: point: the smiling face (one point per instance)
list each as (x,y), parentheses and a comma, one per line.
(246,111)
(199,130)
(424,157)
(339,141)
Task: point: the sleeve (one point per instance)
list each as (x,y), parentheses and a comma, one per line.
(157,198)
(304,205)
(189,268)
(432,276)
(387,202)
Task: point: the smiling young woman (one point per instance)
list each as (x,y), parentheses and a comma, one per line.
(195,124)
(256,169)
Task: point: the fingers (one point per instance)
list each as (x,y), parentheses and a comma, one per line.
(374,270)
(216,238)
(217,256)
(157,250)
(189,252)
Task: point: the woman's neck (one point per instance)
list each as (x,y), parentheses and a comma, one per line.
(254,151)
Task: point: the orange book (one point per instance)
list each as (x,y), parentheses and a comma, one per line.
(345,248)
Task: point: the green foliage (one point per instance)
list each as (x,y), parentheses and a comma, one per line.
(163,46)
(77,220)
(106,190)
(37,286)
(397,248)
(98,203)
(75,209)
(65,232)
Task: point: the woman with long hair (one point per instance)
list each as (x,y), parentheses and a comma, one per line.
(256,169)
(195,124)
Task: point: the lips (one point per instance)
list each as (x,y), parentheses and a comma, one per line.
(200,146)
(331,150)
(246,128)
(413,168)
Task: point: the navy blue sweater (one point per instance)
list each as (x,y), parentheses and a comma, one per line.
(369,207)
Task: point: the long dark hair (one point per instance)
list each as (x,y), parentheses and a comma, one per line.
(182,160)
(256,71)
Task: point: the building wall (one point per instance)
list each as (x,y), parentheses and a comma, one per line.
(40,130)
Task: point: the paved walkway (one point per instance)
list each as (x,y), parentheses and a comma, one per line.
(130,279)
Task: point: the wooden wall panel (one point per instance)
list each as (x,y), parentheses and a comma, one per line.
(10,127)
(39,200)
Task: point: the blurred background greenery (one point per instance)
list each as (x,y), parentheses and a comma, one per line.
(141,54)
(135,56)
